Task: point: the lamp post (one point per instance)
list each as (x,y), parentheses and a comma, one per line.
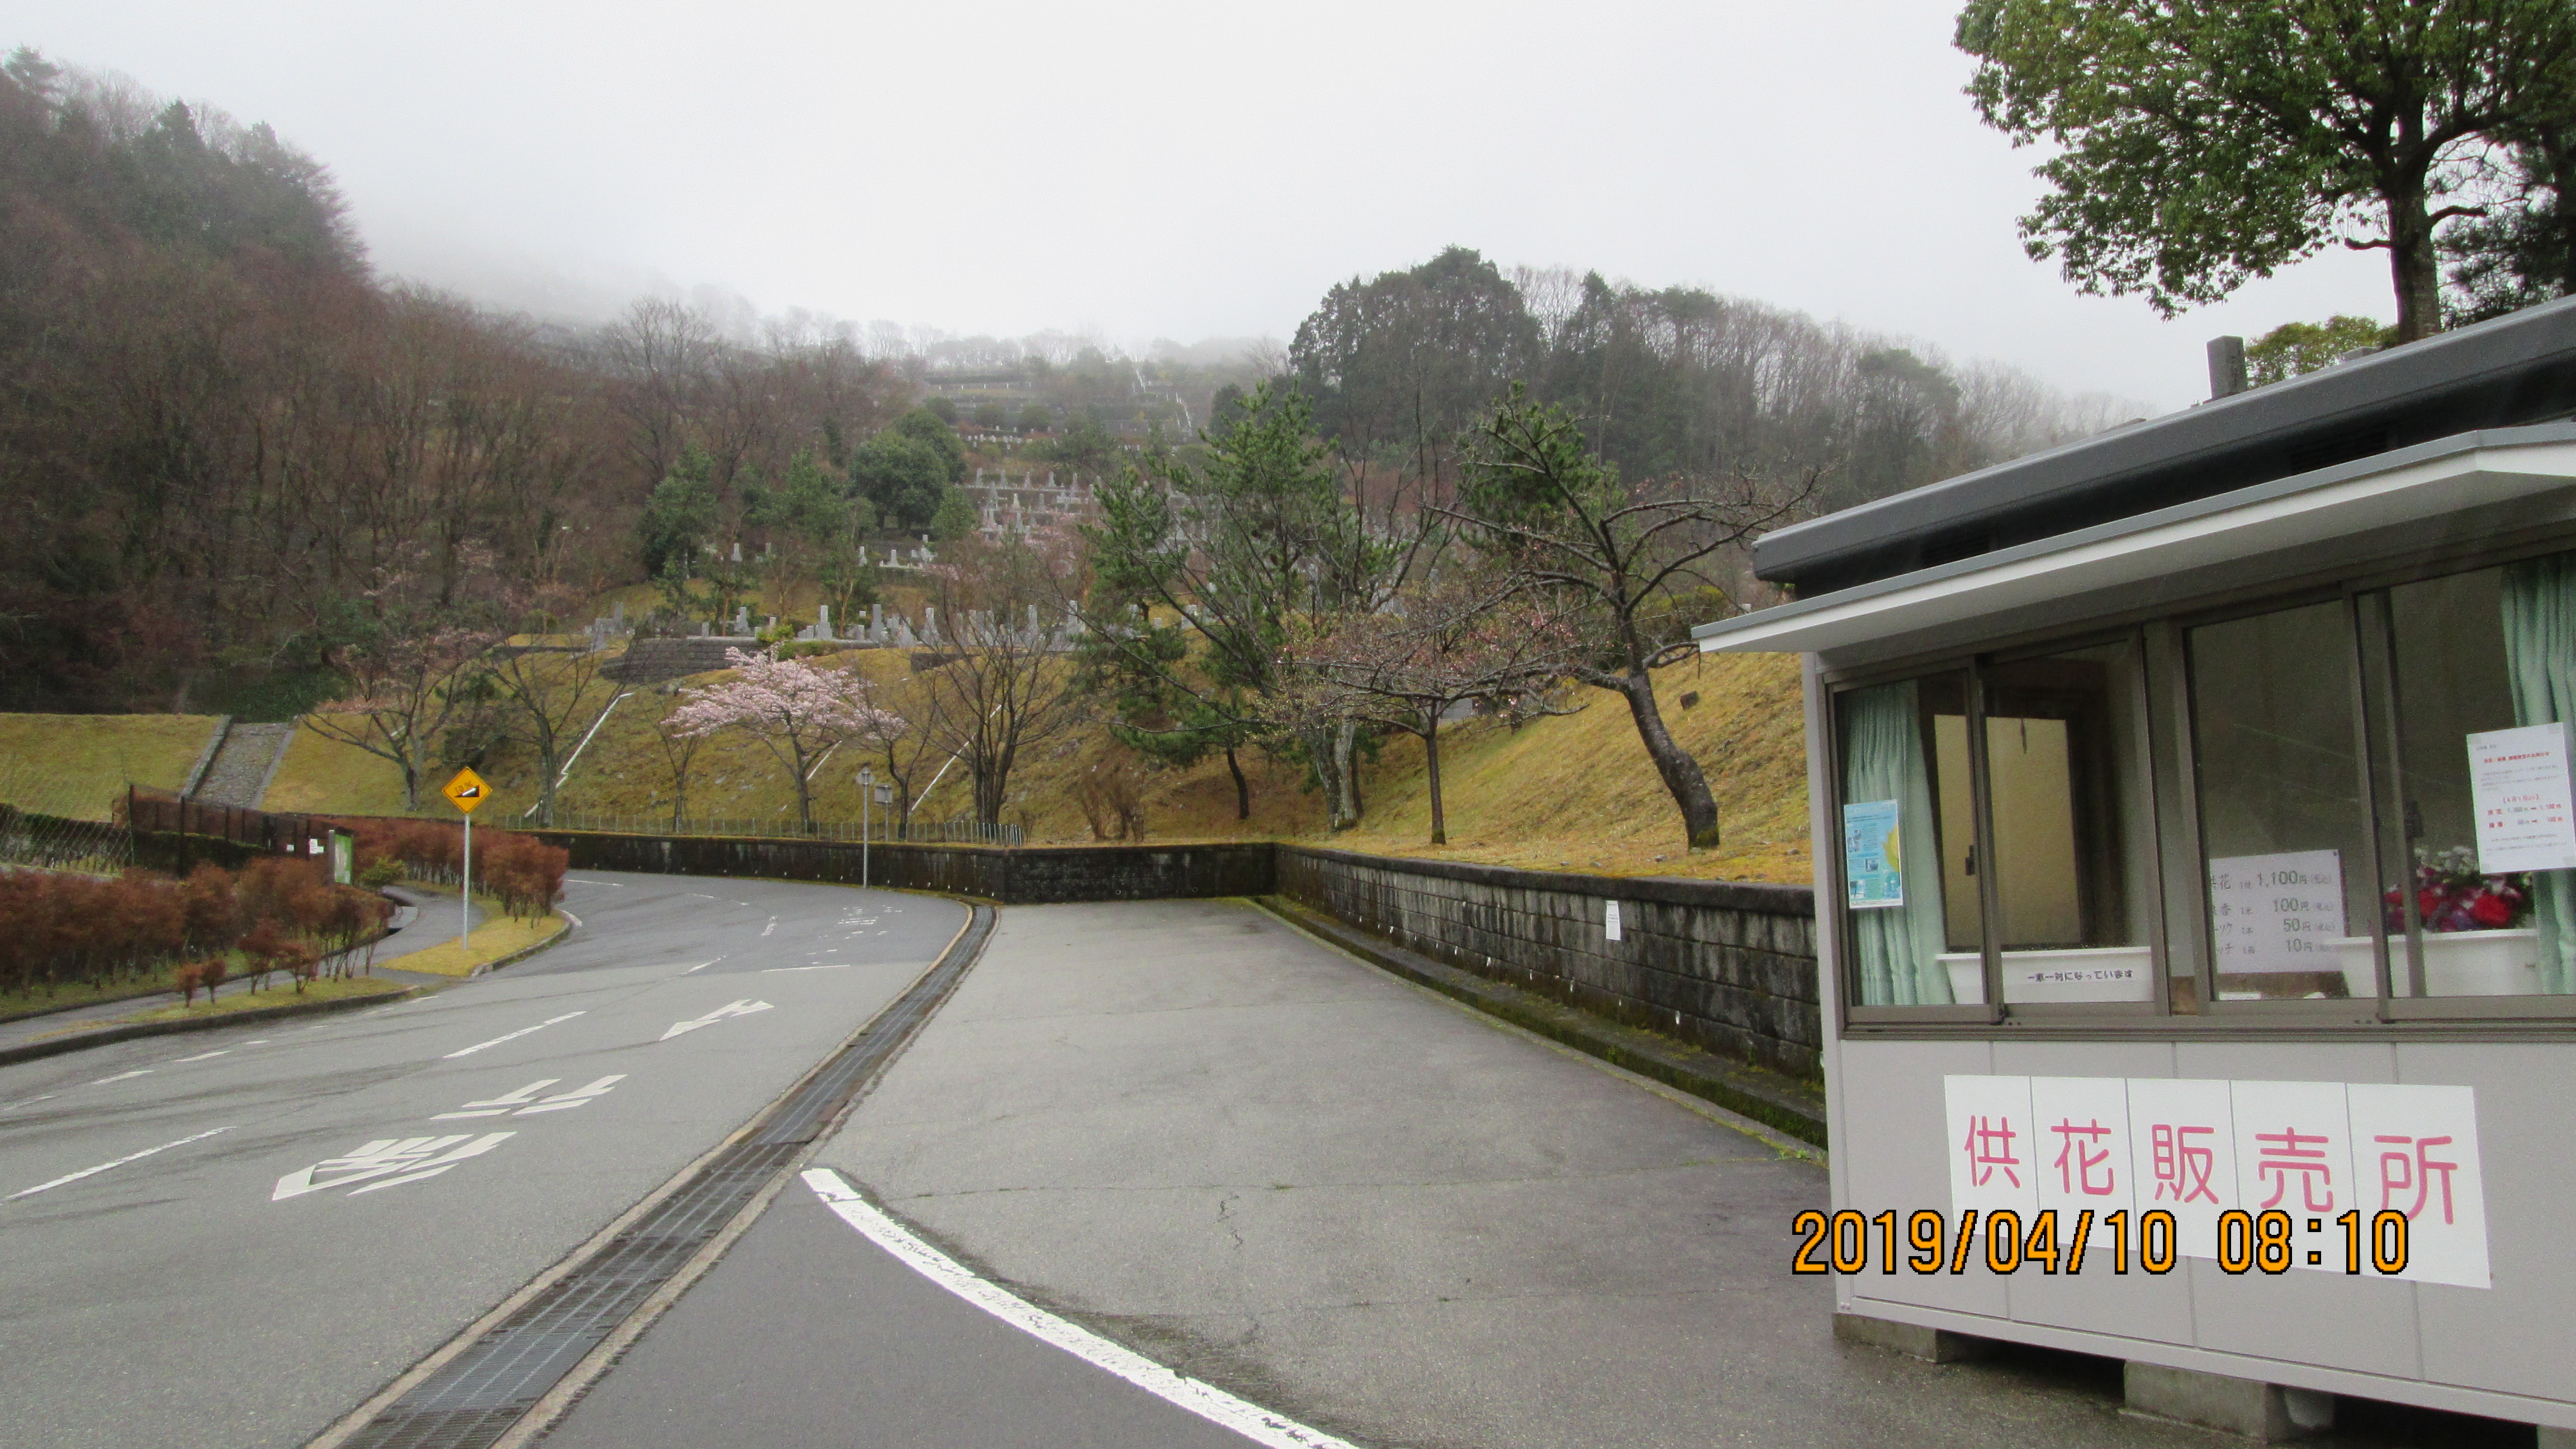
(867,788)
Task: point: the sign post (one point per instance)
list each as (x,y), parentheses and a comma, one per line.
(465,792)
(867,788)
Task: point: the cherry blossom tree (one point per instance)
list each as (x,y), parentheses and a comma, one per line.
(1464,638)
(796,711)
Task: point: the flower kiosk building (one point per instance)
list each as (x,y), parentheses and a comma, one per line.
(2192,819)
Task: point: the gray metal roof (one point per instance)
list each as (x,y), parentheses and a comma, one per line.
(2514,370)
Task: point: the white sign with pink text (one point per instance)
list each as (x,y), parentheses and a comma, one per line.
(2518,784)
(2200,1149)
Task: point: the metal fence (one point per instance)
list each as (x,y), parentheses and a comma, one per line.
(49,842)
(950,832)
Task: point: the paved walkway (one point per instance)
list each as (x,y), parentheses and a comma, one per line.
(1255,1159)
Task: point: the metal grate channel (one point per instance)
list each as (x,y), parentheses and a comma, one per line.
(477,1396)
(801,1117)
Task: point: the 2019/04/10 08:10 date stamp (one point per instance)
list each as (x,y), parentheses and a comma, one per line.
(1852,1242)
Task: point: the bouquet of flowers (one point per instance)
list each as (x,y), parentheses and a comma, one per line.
(2451,894)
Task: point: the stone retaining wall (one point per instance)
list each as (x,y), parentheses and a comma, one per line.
(1013,877)
(1728,966)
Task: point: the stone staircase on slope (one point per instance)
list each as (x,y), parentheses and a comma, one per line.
(650,661)
(246,759)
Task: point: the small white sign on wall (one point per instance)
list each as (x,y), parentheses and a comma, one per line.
(2518,784)
(1610,919)
(2278,912)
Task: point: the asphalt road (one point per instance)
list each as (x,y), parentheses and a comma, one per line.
(298,1212)
(808,1334)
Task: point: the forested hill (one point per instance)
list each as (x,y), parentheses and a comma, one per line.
(1665,381)
(233,460)
(228,452)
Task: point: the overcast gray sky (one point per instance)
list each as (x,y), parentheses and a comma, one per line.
(1182,171)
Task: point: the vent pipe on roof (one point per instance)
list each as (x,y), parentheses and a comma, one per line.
(2226,367)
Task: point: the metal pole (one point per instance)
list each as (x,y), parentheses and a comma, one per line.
(864,792)
(465,893)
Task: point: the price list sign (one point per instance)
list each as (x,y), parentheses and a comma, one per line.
(2277,912)
(2518,780)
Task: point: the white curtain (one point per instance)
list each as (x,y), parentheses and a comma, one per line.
(1898,947)
(2540,655)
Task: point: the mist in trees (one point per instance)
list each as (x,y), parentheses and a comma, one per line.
(223,432)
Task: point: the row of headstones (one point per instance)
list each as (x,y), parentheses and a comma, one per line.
(1002,479)
(899,633)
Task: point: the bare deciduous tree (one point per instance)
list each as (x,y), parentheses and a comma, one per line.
(1565,527)
(1008,683)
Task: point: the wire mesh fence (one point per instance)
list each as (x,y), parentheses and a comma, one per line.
(948,832)
(49,842)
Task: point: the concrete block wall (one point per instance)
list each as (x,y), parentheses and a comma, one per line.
(1730,967)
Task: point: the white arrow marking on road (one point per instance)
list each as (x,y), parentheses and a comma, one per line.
(745,1007)
(496,1106)
(1205,1400)
(514,1036)
(104,1166)
(566,1101)
(772,926)
(414,1157)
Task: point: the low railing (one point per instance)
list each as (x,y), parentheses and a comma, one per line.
(155,812)
(944,832)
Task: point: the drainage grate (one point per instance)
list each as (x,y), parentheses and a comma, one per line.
(477,1396)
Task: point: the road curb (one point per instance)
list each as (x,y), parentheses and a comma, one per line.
(129,1031)
(524,952)
(1702,1075)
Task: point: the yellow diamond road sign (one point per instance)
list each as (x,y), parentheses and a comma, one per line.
(466,791)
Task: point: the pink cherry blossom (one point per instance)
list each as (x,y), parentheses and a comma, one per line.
(796,711)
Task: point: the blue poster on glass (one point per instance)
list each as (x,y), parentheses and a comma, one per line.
(1871,871)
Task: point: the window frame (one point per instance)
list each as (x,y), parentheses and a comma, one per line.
(2184,1003)
(1837,893)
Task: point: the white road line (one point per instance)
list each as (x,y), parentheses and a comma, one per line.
(122,1076)
(28,1101)
(829,966)
(1205,1400)
(701,966)
(104,1166)
(569,916)
(514,1036)
(201,1056)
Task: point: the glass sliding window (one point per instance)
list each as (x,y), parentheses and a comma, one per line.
(2485,892)
(2066,779)
(2293,911)
(1911,903)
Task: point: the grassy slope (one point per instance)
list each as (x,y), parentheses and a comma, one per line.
(77,765)
(1575,792)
